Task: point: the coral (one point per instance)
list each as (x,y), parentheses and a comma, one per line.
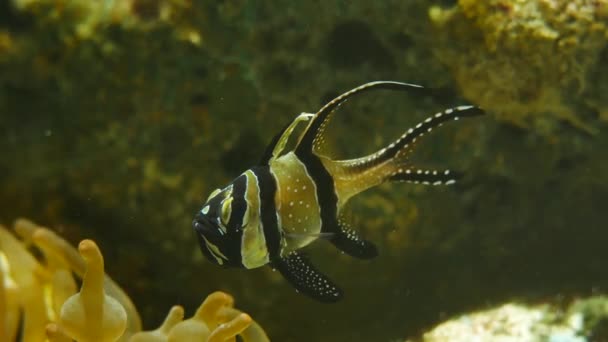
(43,294)
(580,321)
(86,18)
(176,315)
(214,321)
(522,59)
(91,315)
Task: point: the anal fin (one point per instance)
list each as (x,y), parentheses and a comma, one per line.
(301,274)
(349,241)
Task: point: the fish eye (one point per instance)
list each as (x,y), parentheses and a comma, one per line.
(226,210)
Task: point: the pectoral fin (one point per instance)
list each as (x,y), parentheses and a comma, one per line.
(348,241)
(302,275)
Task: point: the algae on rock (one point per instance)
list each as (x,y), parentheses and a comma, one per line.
(525,59)
(580,320)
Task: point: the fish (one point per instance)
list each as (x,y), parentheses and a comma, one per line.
(295,196)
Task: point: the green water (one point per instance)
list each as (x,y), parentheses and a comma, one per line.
(115,124)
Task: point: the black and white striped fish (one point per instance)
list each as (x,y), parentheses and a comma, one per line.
(291,198)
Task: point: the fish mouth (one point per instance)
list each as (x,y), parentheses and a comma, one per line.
(202,224)
(205,233)
(197,226)
(208,228)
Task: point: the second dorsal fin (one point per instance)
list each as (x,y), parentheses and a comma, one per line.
(313,135)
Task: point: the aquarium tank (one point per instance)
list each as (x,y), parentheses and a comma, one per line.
(343,211)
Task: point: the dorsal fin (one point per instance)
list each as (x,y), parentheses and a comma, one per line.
(278,142)
(313,134)
(268,152)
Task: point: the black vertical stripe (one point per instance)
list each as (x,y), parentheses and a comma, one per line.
(326,195)
(328,200)
(268,210)
(239,204)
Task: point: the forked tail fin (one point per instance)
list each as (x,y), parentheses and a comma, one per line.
(389,164)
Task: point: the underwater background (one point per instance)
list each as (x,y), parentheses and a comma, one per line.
(118,118)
